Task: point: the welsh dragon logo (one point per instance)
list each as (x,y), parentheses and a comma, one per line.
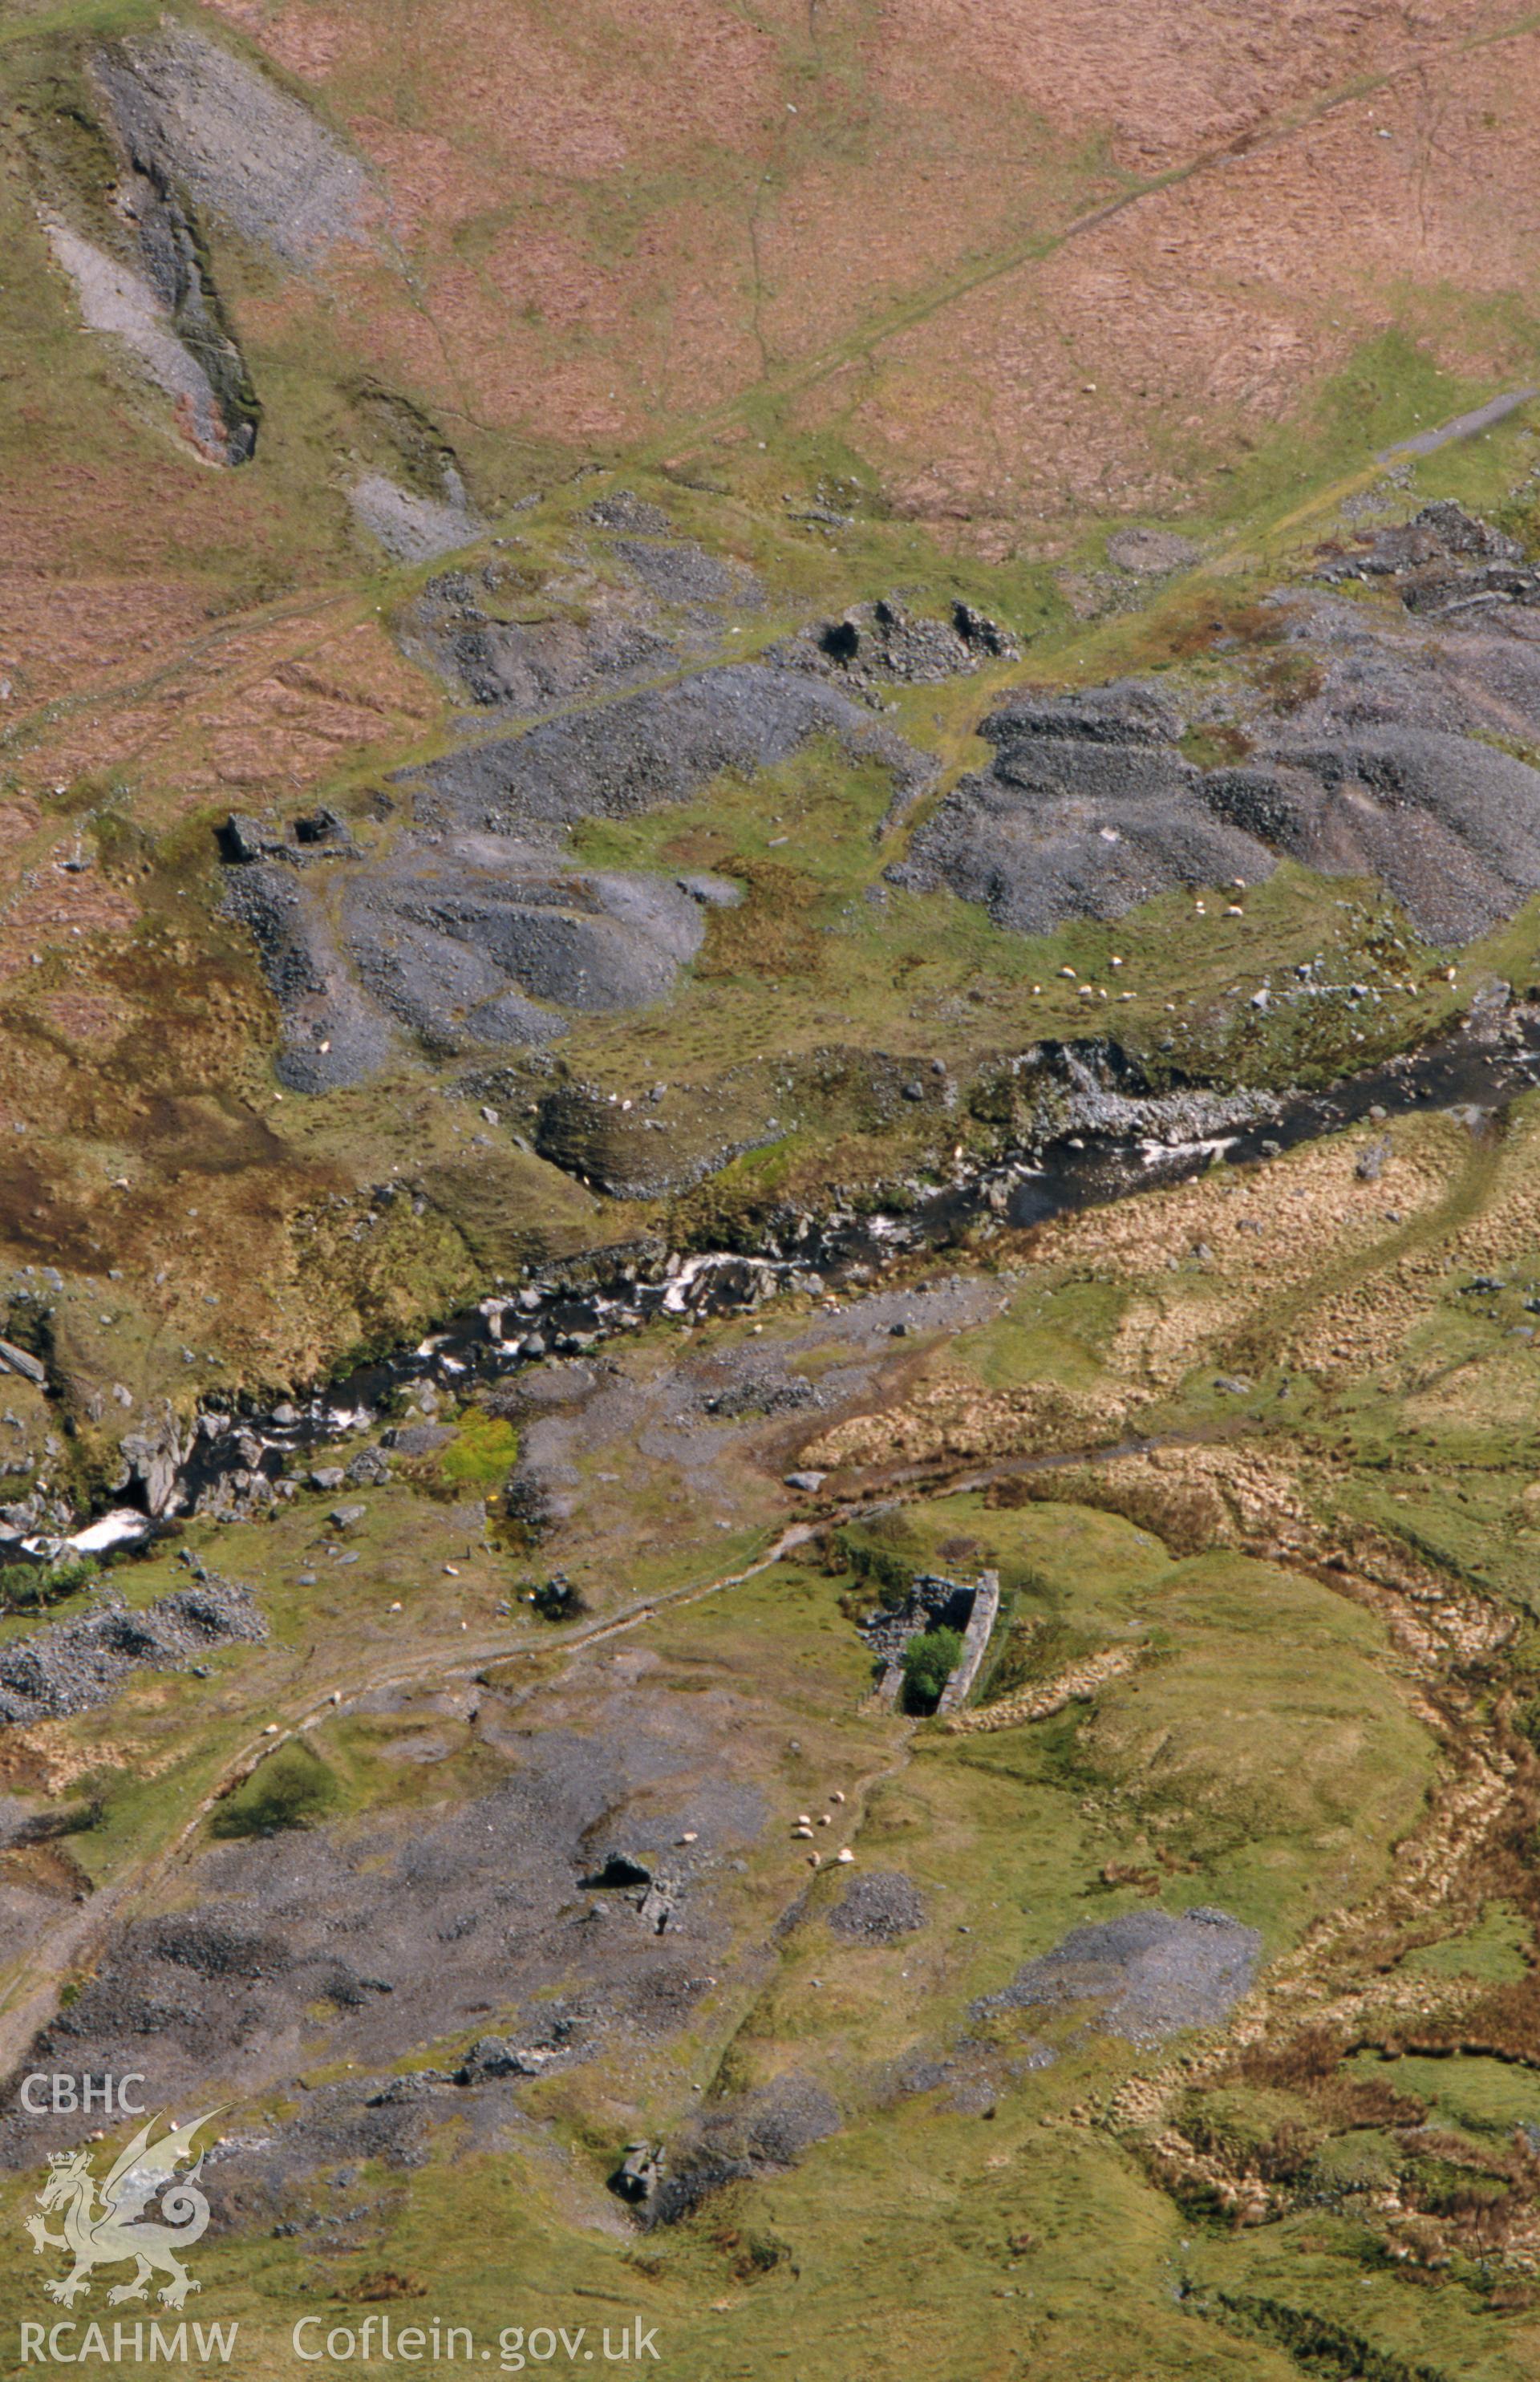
(99,2220)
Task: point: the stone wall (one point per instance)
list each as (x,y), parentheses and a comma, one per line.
(975,1638)
(933,1600)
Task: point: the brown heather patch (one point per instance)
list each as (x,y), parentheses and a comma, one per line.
(434,184)
(742,197)
(1364,1327)
(770,934)
(46,1869)
(1508,1223)
(263,712)
(61,635)
(17,821)
(605,86)
(1171,80)
(92,1017)
(1291,1232)
(1365,1324)
(57,910)
(1310,1205)
(48,1758)
(1206,312)
(955,1421)
(308,42)
(1238,1495)
(1158,1339)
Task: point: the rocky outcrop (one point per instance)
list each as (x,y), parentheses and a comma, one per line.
(164,316)
(152,1460)
(640,1147)
(196,118)
(1094,1087)
(21,1360)
(1421,552)
(199,138)
(754,2133)
(874,645)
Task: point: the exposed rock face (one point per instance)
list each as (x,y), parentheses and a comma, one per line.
(153,1457)
(1440,534)
(757,2133)
(1447,565)
(20,1360)
(166,317)
(495,2055)
(200,137)
(204,143)
(145,279)
(1054,1089)
(1089,808)
(639,1150)
(197,118)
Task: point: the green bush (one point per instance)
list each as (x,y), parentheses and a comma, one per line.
(29,1588)
(928,1663)
(293,1788)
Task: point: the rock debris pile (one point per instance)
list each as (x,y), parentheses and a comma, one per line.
(71,1666)
(1144,1976)
(1090,807)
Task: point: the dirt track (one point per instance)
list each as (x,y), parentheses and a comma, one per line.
(80,1934)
